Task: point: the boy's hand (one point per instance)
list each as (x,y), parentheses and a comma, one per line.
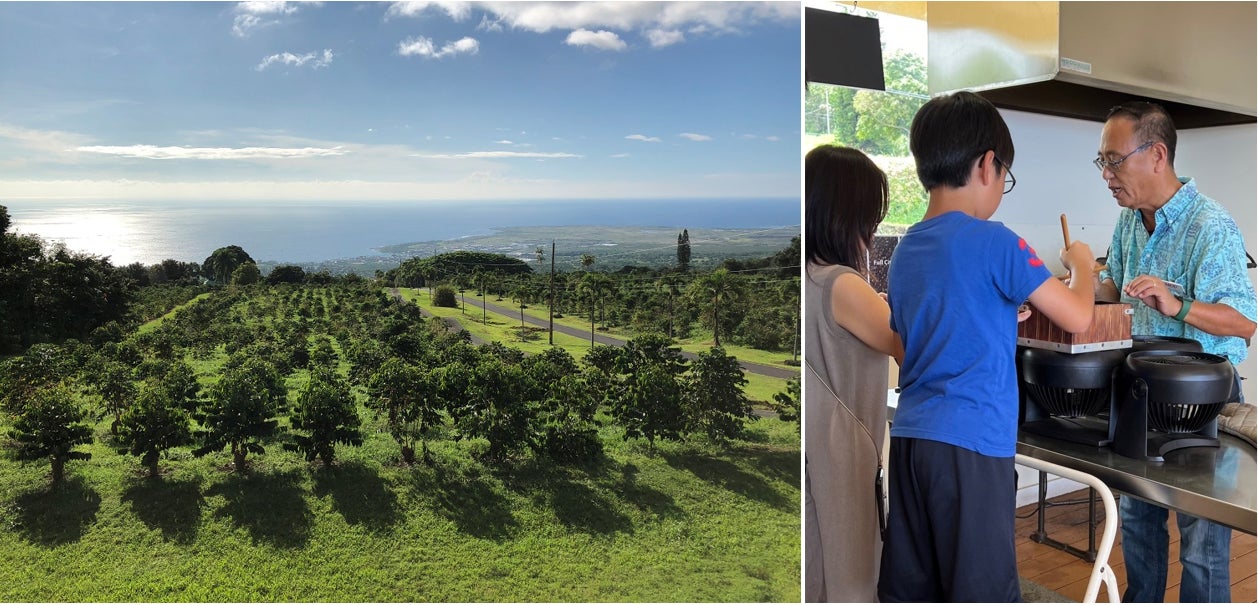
(1078,257)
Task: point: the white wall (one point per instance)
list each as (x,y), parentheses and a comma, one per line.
(1055,175)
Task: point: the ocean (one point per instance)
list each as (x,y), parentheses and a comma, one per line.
(307,232)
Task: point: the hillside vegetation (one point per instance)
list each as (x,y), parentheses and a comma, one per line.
(305,437)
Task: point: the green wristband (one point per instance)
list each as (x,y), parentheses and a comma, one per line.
(1183,311)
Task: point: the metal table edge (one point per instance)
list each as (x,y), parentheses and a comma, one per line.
(1226,513)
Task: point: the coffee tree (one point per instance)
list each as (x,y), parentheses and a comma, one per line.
(324,416)
(50,426)
(153,425)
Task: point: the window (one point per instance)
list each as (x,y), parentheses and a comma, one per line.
(877,122)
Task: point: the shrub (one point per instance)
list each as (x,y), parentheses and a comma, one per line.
(444,297)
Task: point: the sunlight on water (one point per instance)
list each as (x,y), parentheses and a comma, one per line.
(122,236)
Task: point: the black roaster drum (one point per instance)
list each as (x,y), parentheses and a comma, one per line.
(1185,389)
(1069,385)
(1163,343)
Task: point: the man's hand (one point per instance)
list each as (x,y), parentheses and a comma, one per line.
(1152,291)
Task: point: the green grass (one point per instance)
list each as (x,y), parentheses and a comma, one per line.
(687,522)
(149,326)
(499,328)
(700,339)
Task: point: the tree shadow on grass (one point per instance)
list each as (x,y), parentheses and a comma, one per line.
(576,504)
(174,507)
(583,509)
(467,499)
(57,514)
(359,494)
(272,507)
(728,475)
(779,465)
(645,498)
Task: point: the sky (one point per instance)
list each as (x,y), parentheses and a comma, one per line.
(399,101)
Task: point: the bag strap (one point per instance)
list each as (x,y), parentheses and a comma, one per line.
(880,496)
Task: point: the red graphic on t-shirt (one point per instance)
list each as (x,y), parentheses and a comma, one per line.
(1035,259)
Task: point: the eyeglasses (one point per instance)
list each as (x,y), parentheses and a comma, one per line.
(1009,180)
(1101,163)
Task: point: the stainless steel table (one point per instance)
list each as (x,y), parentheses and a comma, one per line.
(1213,483)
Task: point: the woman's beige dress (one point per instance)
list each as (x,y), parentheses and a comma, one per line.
(842,547)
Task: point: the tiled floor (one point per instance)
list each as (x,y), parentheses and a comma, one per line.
(1068,575)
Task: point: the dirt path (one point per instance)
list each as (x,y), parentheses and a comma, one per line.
(450,321)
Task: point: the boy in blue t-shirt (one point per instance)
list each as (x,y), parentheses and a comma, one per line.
(954,286)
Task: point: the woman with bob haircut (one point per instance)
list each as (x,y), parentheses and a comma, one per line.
(848,343)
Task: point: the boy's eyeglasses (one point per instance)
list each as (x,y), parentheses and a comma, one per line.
(1102,163)
(1009,180)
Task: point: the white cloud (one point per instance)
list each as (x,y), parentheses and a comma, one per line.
(660,38)
(496,155)
(748,137)
(620,155)
(772,138)
(643,138)
(266,7)
(424,47)
(504,142)
(287,58)
(153,152)
(662,23)
(49,141)
(486,24)
(245,23)
(602,39)
(473,186)
(695,137)
(250,14)
(456,10)
(714,16)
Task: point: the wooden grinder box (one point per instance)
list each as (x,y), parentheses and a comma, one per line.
(1111,329)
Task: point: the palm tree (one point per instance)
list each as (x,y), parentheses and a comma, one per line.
(713,291)
(586,261)
(523,291)
(592,286)
(670,284)
(482,282)
(790,298)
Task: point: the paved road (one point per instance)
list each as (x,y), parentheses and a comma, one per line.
(755,368)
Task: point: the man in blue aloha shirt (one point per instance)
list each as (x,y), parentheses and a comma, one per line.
(1168,231)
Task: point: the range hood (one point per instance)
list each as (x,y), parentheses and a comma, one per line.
(1078,59)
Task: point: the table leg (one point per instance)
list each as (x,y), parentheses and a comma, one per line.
(1041,535)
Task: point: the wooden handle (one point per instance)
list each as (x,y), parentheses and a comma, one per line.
(1065,231)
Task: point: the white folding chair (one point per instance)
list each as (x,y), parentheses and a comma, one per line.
(1101,570)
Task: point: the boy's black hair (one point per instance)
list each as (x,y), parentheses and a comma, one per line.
(1153,123)
(950,131)
(845,197)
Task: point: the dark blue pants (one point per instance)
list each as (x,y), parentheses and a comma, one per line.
(950,529)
